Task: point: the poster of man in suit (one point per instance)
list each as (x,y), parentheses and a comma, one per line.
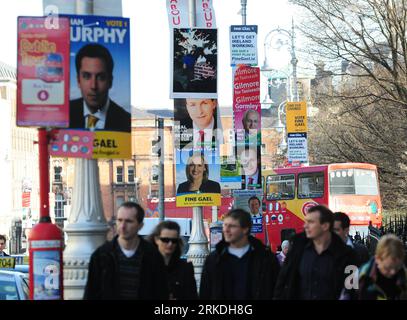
(99,95)
(100,74)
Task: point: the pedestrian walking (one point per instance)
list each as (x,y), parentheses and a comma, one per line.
(241,267)
(315,265)
(180,273)
(341,228)
(384,277)
(128,267)
(285,245)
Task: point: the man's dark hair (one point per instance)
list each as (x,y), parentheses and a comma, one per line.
(343,218)
(244,217)
(3,238)
(139,209)
(252,198)
(325,215)
(95,51)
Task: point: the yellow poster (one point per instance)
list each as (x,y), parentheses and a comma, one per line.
(199,200)
(112,145)
(296,115)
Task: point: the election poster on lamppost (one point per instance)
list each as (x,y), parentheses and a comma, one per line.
(251,201)
(197,124)
(194,63)
(297,128)
(178,13)
(197,176)
(243,45)
(247,123)
(42,73)
(99,106)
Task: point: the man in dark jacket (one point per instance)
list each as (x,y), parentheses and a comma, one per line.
(341,228)
(315,265)
(241,267)
(128,267)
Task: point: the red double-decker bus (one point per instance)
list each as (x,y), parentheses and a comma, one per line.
(352,188)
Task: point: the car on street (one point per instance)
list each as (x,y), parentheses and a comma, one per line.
(13,285)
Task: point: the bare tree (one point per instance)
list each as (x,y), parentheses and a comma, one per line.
(363,116)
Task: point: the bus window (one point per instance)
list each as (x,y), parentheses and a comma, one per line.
(353,181)
(311,185)
(280,187)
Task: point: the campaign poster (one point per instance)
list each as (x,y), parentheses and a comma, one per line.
(43,72)
(251,201)
(197,178)
(197,124)
(46,266)
(177,11)
(249,164)
(243,45)
(230,177)
(99,88)
(297,147)
(246,106)
(296,116)
(194,64)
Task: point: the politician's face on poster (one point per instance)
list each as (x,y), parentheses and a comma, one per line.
(197,178)
(197,123)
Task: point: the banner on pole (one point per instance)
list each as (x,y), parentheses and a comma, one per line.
(243,45)
(197,124)
(251,201)
(230,177)
(99,106)
(296,115)
(197,178)
(43,73)
(297,147)
(177,11)
(194,63)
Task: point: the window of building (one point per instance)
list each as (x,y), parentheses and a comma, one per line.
(59,206)
(119,201)
(119,174)
(154,194)
(57,174)
(130,174)
(311,185)
(154,173)
(263,149)
(3,92)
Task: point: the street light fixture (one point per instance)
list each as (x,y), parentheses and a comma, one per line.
(266,69)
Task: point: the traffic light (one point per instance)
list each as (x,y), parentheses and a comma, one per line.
(156,147)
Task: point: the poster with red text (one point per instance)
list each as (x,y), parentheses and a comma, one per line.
(43,73)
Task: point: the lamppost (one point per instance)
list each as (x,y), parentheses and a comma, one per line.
(266,69)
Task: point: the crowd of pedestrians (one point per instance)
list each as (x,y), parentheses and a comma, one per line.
(321,263)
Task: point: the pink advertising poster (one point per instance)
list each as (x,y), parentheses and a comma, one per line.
(72,144)
(246,106)
(43,72)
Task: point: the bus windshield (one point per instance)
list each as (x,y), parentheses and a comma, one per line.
(353,181)
(280,187)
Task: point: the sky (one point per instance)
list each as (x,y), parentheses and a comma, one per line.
(150,44)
